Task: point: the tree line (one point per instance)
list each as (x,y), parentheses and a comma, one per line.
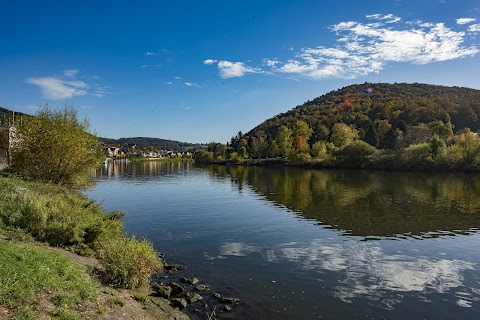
(393,126)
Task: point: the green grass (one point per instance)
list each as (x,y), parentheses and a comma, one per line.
(31,275)
(66,218)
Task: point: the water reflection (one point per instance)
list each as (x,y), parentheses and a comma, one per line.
(143,168)
(367,271)
(370,204)
(253,233)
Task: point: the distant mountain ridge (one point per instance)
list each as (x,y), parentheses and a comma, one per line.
(398,104)
(160,144)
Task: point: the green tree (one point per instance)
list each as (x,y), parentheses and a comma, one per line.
(284,140)
(371,136)
(319,149)
(302,129)
(55,146)
(343,134)
(469,147)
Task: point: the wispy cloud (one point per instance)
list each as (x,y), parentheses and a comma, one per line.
(465,20)
(70,72)
(177,78)
(150,53)
(68,86)
(368,47)
(169,82)
(58,89)
(191,84)
(100,92)
(474,28)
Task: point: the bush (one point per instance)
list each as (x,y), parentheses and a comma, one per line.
(357,154)
(299,158)
(129,263)
(54,146)
(203,156)
(417,156)
(235,158)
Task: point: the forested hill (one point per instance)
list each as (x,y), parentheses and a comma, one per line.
(160,144)
(383,107)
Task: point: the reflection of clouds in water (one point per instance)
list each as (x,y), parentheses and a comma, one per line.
(369,272)
(238,249)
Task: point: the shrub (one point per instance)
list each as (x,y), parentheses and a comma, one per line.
(54,146)
(203,156)
(417,156)
(129,263)
(357,154)
(299,158)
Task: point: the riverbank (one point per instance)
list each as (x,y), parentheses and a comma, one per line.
(63,257)
(44,282)
(385,163)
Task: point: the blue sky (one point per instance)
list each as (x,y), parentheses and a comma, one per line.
(200,71)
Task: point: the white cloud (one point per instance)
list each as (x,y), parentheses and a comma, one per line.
(209,61)
(191,84)
(99,92)
(150,53)
(271,63)
(169,82)
(177,78)
(368,48)
(229,69)
(58,89)
(387,18)
(364,48)
(465,20)
(71,72)
(474,28)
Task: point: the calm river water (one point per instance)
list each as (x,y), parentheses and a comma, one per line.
(309,244)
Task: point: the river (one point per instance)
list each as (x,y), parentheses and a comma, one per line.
(308,244)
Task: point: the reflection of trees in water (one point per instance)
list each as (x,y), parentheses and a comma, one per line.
(370,203)
(142,168)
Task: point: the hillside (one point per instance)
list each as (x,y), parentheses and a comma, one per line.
(384,107)
(161,144)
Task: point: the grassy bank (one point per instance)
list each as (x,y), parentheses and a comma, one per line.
(35,281)
(64,218)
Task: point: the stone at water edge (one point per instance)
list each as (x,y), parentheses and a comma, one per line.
(202,287)
(191,281)
(228,300)
(163,291)
(179,302)
(193,297)
(216,295)
(227,308)
(172,268)
(177,290)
